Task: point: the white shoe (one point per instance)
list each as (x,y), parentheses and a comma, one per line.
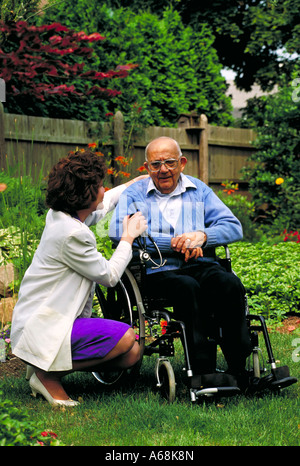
(37,387)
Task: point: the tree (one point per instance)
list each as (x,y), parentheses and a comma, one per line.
(274,172)
(47,70)
(178,70)
(248,33)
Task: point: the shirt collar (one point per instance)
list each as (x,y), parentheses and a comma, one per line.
(183,183)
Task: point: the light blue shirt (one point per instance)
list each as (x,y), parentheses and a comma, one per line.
(170,205)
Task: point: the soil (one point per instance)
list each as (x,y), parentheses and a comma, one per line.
(289,325)
(14,367)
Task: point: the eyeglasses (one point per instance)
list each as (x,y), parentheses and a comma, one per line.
(170,164)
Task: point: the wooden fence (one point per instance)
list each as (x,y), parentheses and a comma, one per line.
(214,153)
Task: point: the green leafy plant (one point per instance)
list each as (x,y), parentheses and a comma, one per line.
(270,274)
(17,428)
(242,207)
(22,215)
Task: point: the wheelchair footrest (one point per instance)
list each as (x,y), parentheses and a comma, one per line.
(283,383)
(281,378)
(213,385)
(217,391)
(213,380)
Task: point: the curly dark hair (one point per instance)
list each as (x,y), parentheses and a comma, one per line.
(74,181)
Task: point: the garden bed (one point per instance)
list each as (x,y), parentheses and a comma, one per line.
(12,367)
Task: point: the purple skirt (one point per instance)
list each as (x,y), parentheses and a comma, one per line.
(95,337)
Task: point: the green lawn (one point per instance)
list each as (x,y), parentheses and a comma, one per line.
(136,415)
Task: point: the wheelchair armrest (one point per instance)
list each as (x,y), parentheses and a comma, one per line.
(225,262)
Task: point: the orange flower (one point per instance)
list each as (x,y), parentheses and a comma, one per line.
(127,175)
(92,145)
(121,160)
(99,153)
(110,171)
(279,181)
(141,169)
(3,187)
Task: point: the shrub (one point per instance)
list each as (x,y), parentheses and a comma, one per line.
(274,172)
(51,70)
(178,72)
(242,208)
(270,274)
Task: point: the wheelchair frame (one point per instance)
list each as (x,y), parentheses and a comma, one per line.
(125,302)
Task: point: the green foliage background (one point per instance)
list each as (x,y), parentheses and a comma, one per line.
(276,118)
(179,70)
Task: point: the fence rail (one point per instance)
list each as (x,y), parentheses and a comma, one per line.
(214,153)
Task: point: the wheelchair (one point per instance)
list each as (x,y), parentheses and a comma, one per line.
(156,331)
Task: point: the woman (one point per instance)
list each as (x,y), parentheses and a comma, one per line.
(51,326)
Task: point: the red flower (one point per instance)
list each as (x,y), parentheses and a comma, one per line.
(50,433)
(141,169)
(291,236)
(163,325)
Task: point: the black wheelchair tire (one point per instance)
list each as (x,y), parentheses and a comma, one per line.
(127,293)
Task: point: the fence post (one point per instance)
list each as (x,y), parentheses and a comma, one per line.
(118,134)
(2,137)
(203,150)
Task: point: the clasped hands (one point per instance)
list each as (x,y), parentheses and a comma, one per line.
(189,244)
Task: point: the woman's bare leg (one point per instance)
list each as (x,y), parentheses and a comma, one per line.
(125,354)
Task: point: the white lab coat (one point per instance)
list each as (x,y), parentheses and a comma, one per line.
(57,287)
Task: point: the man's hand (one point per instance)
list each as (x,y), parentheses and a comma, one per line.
(189,244)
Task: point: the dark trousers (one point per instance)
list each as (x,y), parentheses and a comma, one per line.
(206,297)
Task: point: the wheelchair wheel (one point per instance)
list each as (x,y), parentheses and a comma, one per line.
(166,380)
(256,364)
(124,304)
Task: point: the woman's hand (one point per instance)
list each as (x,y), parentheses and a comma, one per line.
(133,226)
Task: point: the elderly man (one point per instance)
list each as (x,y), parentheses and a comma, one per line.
(187,221)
